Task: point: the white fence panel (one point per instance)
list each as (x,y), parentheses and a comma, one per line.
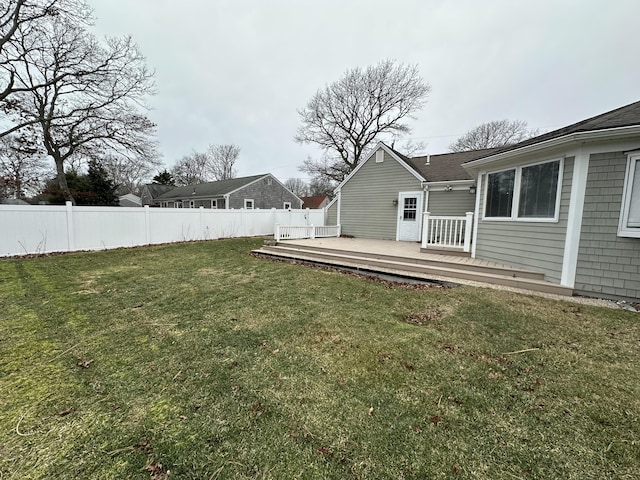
(45,228)
(36,229)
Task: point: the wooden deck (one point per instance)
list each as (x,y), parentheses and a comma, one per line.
(406,259)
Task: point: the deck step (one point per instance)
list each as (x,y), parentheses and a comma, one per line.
(412,268)
(441,262)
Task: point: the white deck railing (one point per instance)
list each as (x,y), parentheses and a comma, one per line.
(296,232)
(447,232)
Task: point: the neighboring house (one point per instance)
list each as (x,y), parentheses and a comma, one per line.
(386,195)
(151,191)
(13,201)
(258,191)
(129,200)
(315,202)
(567,204)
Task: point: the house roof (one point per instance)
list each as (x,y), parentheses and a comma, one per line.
(626,116)
(314,201)
(446,166)
(211,189)
(157,189)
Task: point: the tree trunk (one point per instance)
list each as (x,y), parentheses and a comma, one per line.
(62,182)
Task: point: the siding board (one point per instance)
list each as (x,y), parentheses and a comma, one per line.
(537,246)
(453,203)
(367,208)
(608,265)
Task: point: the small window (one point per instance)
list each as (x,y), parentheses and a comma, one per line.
(214,204)
(178,204)
(269,181)
(287,205)
(630,210)
(410,209)
(192,204)
(248,204)
(380,156)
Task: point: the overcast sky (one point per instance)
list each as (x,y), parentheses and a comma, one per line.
(233,71)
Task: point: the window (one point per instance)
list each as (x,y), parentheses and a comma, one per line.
(630,211)
(380,156)
(410,209)
(269,181)
(530,192)
(214,204)
(192,204)
(248,204)
(178,204)
(287,205)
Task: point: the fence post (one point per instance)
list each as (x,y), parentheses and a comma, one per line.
(467,232)
(71,241)
(277,233)
(425,229)
(201,220)
(147,225)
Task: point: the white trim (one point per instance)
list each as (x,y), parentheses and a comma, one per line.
(474,241)
(456,185)
(515,201)
(339,198)
(284,205)
(633,161)
(214,201)
(372,154)
(379,156)
(592,135)
(253,204)
(574,219)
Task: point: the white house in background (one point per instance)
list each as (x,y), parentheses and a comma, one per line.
(129,200)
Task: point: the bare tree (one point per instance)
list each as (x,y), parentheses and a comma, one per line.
(221,161)
(129,174)
(23,167)
(192,169)
(498,133)
(20,25)
(321,186)
(348,116)
(85,96)
(297,186)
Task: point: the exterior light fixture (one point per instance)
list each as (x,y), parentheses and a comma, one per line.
(472,189)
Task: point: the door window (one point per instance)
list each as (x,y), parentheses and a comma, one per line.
(410,209)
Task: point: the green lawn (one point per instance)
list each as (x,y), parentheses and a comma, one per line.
(204,361)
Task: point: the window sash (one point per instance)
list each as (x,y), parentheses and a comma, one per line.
(528,192)
(633,218)
(499,201)
(538,190)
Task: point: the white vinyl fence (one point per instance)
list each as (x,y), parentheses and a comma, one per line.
(34,229)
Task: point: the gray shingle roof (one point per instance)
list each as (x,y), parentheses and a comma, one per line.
(210,189)
(157,189)
(445,167)
(620,117)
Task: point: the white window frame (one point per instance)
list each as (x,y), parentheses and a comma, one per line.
(633,164)
(253,204)
(214,203)
(192,204)
(515,206)
(287,205)
(178,204)
(380,156)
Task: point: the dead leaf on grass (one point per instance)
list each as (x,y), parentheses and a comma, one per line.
(66,412)
(435,419)
(157,470)
(84,363)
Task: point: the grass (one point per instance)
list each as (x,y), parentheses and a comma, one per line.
(201,361)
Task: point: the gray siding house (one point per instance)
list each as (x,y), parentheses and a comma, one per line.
(567,204)
(386,195)
(255,192)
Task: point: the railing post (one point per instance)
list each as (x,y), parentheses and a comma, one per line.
(467,232)
(425,229)
(313,232)
(277,232)
(339,230)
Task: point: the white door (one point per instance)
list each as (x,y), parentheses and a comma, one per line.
(409,216)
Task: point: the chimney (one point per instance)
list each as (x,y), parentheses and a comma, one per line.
(428,160)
